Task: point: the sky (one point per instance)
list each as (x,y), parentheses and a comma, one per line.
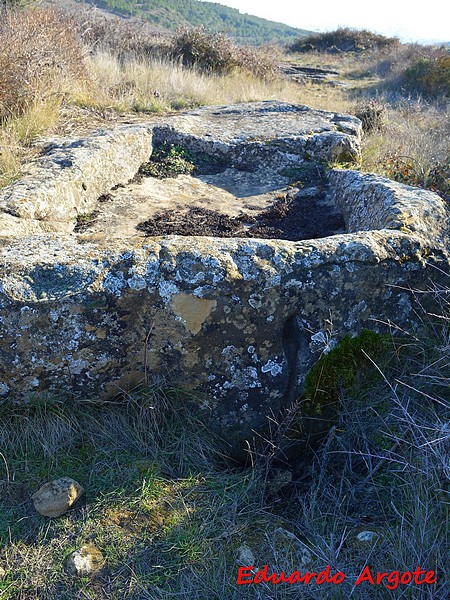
(410,20)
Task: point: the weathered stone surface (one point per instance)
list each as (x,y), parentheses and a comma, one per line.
(372,202)
(232,192)
(136,202)
(55,498)
(252,134)
(302,74)
(85,561)
(69,177)
(238,321)
(230,318)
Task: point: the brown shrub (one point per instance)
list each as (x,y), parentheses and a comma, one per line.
(39,52)
(413,68)
(344,39)
(217,53)
(405,169)
(372,114)
(429,75)
(125,38)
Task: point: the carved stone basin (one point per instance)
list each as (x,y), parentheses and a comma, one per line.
(92,311)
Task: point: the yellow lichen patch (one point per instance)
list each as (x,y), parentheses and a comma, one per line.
(192,310)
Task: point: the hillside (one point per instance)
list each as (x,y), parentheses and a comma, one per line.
(172,14)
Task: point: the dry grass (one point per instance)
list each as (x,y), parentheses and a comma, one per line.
(39,58)
(411,134)
(155,85)
(40,61)
(171,517)
(413,129)
(18,133)
(142,86)
(412,144)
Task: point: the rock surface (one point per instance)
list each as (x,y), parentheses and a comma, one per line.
(301,74)
(68,178)
(55,498)
(237,321)
(264,133)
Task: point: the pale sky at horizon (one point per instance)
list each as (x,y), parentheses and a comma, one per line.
(407,19)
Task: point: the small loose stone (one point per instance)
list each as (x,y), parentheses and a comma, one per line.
(55,498)
(85,561)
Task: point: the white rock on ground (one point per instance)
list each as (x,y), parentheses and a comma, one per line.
(245,555)
(367,537)
(85,561)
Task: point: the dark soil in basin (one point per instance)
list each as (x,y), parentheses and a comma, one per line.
(290,218)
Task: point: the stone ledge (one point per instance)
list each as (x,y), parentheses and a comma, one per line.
(69,177)
(231,320)
(369,202)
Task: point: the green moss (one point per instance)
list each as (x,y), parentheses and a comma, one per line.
(351,368)
(348,365)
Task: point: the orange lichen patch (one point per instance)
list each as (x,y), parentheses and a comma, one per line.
(192,310)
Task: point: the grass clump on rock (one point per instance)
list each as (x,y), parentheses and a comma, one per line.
(167,161)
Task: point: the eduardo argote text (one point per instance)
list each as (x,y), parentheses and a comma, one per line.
(391,580)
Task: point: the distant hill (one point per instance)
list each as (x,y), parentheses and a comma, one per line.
(171,14)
